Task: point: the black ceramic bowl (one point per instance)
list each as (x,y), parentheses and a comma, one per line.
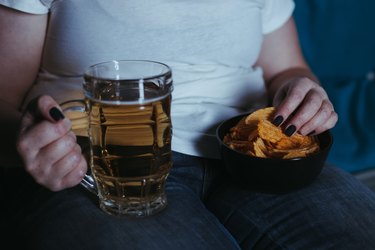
(272,175)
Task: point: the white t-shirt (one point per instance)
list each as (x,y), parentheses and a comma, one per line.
(210,45)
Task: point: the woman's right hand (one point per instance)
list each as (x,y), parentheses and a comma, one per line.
(48,147)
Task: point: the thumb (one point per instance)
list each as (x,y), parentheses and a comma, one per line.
(43,107)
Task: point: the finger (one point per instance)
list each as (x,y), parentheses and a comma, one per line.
(49,108)
(311,105)
(64,167)
(319,118)
(72,177)
(295,95)
(40,167)
(54,151)
(41,108)
(31,141)
(329,123)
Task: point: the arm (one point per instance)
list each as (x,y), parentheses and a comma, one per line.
(302,104)
(21,38)
(41,135)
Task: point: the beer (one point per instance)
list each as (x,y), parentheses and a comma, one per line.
(124,128)
(130,145)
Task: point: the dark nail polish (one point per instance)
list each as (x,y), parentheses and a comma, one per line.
(290,130)
(56,114)
(311,133)
(278,120)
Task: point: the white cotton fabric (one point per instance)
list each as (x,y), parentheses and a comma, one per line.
(210,45)
(28,6)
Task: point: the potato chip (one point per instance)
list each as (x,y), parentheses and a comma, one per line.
(270,132)
(259,148)
(241,131)
(243,146)
(257,136)
(260,114)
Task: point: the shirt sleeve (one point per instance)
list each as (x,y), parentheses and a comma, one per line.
(28,6)
(275,13)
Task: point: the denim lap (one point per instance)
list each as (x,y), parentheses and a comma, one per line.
(71,219)
(335,212)
(205,211)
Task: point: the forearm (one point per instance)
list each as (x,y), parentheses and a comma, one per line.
(301,103)
(22,38)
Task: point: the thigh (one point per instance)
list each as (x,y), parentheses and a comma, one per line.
(71,219)
(335,212)
(196,173)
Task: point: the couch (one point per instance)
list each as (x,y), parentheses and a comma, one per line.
(338,40)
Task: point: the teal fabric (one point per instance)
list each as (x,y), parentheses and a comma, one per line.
(338,41)
(354,135)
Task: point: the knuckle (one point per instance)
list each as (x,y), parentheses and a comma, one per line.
(56,186)
(61,128)
(73,135)
(297,94)
(22,146)
(77,147)
(73,178)
(32,168)
(320,89)
(70,141)
(326,127)
(316,96)
(326,108)
(329,124)
(75,156)
(42,179)
(319,93)
(336,116)
(286,109)
(327,104)
(307,81)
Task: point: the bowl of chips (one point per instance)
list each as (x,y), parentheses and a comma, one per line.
(258,155)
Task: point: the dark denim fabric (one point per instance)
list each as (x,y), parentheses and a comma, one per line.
(205,211)
(335,212)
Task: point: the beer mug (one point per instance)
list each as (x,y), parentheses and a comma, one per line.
(124,125)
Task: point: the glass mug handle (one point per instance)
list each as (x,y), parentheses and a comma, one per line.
(75,110)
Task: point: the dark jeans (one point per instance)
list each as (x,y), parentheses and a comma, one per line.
(205,211)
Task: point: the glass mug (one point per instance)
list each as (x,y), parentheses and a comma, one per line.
(124,126)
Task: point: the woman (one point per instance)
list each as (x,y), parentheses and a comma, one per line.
(227,57)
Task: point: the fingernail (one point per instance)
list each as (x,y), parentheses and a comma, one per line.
(311,133)
(278,120)
(290,130)
(56,114)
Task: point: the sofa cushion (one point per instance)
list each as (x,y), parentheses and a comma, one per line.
(338,40)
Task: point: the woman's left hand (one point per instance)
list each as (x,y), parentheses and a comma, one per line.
(303,105)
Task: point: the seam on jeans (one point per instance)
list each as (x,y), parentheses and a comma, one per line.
(264,233)
(268,236)
(204,180)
